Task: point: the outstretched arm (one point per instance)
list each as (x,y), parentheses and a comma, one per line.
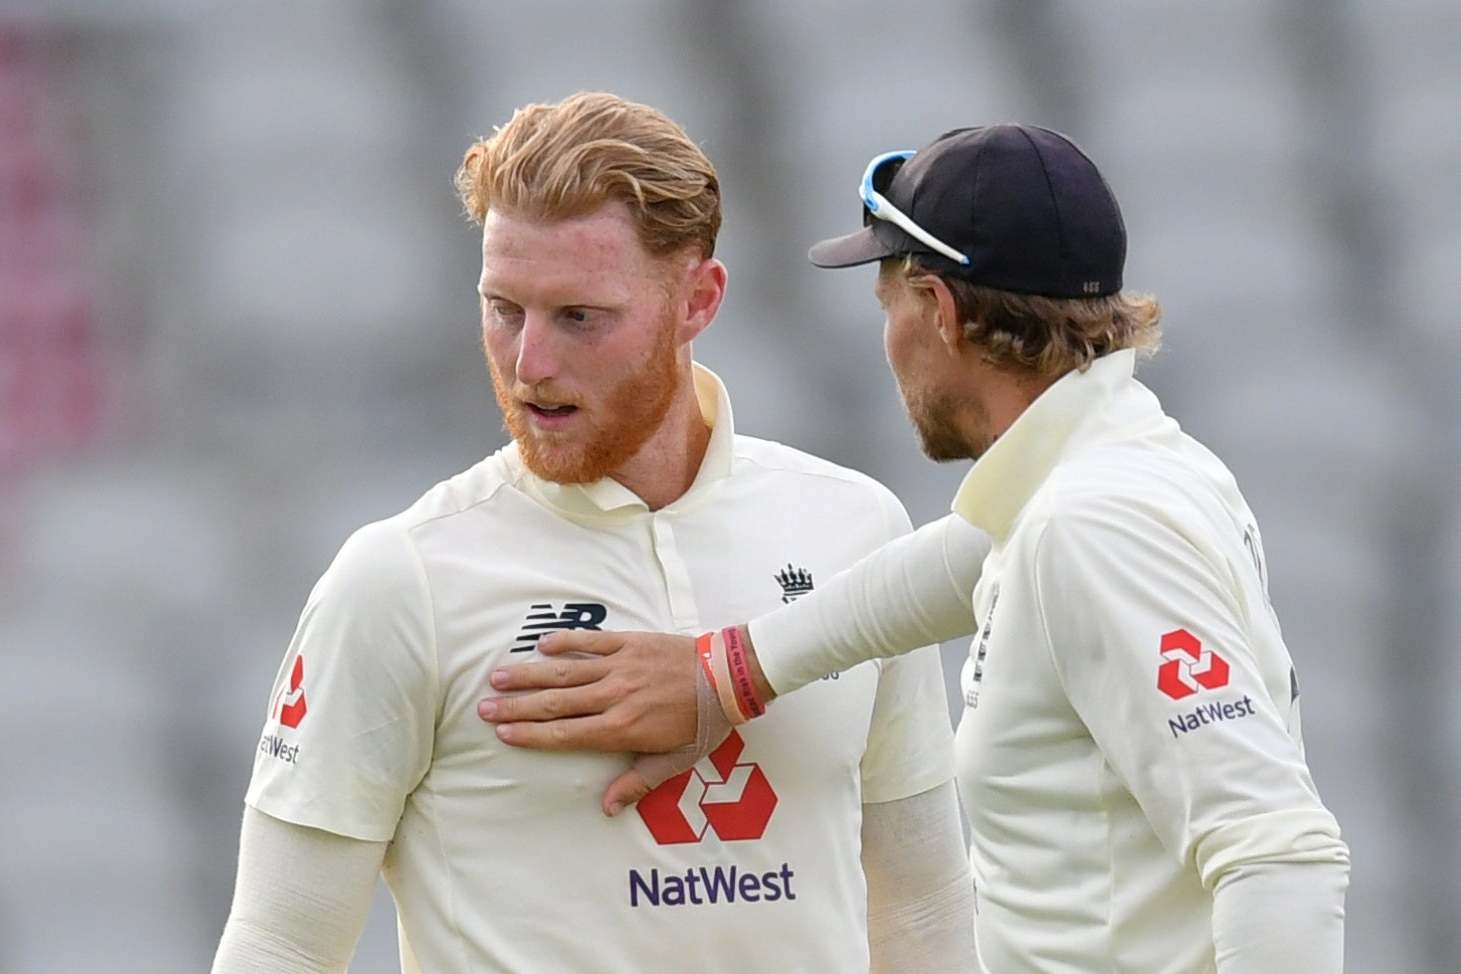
(637,691)
(914,591)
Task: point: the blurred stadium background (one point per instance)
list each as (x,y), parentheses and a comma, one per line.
(237,320)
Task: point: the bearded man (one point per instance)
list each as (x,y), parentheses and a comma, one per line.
(626,500)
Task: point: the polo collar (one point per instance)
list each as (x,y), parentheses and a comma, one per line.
(608,496)
(1004,479)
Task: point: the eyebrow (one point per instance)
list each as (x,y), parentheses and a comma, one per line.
(580,305)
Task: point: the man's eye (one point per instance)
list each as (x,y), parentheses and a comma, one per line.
(504,312)
(576,315)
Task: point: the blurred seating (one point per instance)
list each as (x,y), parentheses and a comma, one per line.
(51,366)
(308,359)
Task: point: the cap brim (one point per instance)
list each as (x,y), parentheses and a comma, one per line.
(859,247)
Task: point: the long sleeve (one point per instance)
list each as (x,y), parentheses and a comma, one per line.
(301,899)
(920,896)
(1202,742)
(1276,918)
(911,592)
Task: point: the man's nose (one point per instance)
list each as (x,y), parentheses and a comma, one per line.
(537,360)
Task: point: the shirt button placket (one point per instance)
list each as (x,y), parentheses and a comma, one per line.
(683,613)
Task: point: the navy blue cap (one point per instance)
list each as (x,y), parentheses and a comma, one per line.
(1024,204)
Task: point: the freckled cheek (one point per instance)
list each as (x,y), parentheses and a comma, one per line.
(501,349)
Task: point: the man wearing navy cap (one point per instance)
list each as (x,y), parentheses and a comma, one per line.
(1130,754)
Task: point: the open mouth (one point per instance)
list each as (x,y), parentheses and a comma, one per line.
(550,412)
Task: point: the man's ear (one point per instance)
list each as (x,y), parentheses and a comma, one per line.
(946,311)
(704,290)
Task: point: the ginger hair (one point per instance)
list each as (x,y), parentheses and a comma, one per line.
(567,159)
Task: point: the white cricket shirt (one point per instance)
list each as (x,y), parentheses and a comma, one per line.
(1131,731)
(1131,723)
(500,859)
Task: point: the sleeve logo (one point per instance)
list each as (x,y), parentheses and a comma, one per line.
(288,709)
(1188,666)
(289,706)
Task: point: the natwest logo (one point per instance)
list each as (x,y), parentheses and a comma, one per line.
(735,800)
(289,706)
(1189,666)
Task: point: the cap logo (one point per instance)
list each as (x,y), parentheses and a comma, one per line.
(1091,287)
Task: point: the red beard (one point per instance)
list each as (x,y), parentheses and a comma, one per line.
(603,443)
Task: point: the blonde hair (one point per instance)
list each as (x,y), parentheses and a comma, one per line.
(564,160)
(1049,336)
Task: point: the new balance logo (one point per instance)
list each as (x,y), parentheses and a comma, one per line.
(795,582)
(544,618)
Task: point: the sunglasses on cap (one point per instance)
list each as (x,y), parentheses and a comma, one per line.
(875,179)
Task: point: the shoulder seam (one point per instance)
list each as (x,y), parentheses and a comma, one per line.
(430,619)
(844,475)
(413,525)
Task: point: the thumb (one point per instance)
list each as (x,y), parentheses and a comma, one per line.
(647,773)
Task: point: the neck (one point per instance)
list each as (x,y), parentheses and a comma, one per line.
(668,462)
(1000,397)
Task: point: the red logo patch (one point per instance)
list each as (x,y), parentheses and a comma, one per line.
(1189,666)
(734,800)
(289,705)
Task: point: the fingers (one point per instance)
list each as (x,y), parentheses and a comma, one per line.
(648,773)
(582,641)
(596,733)
(545,705)
(550,673)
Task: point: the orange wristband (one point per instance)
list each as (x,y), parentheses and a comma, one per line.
(711,649)
(703,651)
